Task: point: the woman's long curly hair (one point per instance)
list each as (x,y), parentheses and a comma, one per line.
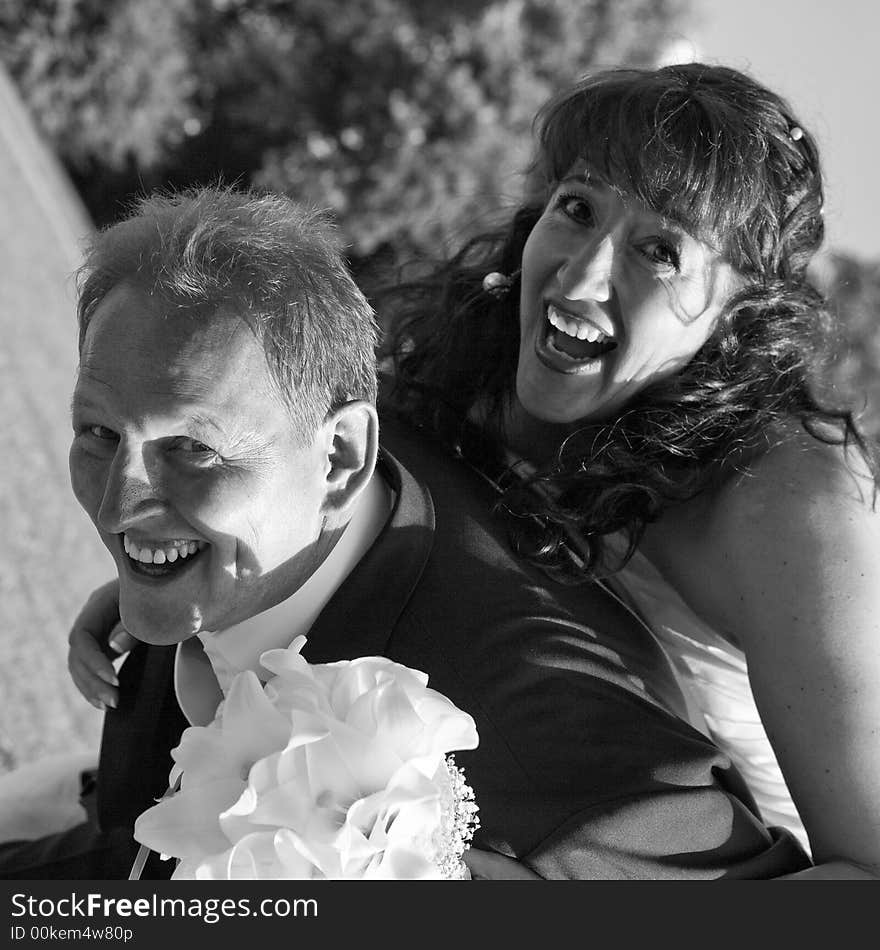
(707,147)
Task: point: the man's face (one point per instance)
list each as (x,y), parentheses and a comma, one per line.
(186,459)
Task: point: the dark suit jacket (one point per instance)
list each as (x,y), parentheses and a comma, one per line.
(583,768)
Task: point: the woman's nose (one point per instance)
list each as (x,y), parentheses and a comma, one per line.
(586,274)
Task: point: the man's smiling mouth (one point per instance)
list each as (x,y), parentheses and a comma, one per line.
(161,558)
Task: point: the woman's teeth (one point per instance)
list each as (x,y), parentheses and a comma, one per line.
(579,329)
(168,552)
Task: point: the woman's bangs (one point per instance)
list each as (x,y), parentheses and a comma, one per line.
(664,150)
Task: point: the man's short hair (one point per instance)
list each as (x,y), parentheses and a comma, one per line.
(265,258)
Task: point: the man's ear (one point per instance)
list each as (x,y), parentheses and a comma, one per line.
(352,444)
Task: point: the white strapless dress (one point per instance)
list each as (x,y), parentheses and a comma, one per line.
(713,675)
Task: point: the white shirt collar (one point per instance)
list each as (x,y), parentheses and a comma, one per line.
(205,665)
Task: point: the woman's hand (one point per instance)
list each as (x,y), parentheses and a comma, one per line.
(491,866)
(96,638)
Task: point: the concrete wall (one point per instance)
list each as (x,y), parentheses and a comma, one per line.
(50,556)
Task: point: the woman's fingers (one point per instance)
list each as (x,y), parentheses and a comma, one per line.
(120,640)
(91,670)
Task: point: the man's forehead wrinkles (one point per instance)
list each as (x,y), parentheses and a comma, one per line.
(199,393)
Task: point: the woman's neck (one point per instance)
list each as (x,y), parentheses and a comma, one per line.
(531,438)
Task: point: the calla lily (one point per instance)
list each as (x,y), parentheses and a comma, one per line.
(332,771)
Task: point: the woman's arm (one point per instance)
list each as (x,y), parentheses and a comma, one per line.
(491,866)
(797,546)
(96,638)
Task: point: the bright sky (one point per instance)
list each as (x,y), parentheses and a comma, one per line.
(821,55)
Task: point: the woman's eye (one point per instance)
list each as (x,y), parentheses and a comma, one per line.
(576,207)
(661,253)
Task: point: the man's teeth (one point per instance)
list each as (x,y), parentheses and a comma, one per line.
(576,328)
(170,552)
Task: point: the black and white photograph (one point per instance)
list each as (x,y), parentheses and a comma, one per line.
(440,441)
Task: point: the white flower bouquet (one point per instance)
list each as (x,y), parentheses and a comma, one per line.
(336,771)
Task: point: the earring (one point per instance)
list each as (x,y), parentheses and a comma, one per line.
(499,284)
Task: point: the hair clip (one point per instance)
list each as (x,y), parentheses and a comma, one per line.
(499,284)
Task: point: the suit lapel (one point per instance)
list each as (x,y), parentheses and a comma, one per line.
(361,616)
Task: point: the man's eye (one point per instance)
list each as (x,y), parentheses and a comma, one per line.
(101,432)
(185,444)
(575,207)
(193,449)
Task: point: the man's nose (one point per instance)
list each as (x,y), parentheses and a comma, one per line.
(130,493)
(587,273)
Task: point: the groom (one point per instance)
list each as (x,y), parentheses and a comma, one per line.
(226,448)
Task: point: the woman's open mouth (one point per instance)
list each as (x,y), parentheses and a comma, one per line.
(570,344)
(161,559)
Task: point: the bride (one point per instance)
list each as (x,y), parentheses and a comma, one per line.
(657,405)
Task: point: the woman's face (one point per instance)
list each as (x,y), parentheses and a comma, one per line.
(614,297)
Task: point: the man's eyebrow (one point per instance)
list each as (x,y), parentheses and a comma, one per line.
(205,422)
(80,402)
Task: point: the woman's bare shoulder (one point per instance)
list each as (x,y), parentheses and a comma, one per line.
(798,472)
(800,506)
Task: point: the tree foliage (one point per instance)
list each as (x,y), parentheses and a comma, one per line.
(409,118)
